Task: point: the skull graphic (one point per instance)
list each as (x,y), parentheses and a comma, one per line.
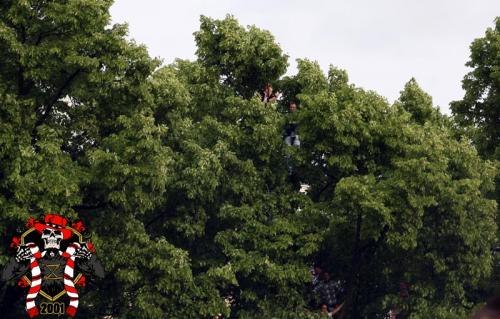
(52,238)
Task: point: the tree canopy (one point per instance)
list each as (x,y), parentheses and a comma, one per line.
(479,108)
(181,174)
(478,113)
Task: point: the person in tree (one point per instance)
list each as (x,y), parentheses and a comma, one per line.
(316,271)
(330,293)
(269,96)
(324,312)
(291,136)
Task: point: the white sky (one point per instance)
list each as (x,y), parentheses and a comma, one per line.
(382,44)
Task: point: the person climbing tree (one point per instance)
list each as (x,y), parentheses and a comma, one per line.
(330,293)
(269,96)
(174,185)
(291,136)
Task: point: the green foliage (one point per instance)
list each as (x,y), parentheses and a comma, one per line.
(246,59)
(401,196)
(418,103)
(182,175)
(479,107)
(478,113)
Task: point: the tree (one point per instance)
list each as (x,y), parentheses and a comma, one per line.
(479,107)
(77,137)
(400,193)
(478,113)
(246,228)
(181,173)
(246,59)
(84,134)
(418,103)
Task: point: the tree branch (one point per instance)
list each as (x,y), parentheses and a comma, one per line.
(355,269)
(329,183)
(370,248)
(56,97)
(157,218)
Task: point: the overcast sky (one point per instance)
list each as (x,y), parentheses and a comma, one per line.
(382,44)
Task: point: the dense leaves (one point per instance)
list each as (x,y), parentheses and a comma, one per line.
(480,105)
(246,59)
(400,194)
(194,201)
(478,113)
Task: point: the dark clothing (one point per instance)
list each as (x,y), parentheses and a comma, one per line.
(291,128)
(330,292)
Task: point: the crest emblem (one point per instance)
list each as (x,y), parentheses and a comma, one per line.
(52,259)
